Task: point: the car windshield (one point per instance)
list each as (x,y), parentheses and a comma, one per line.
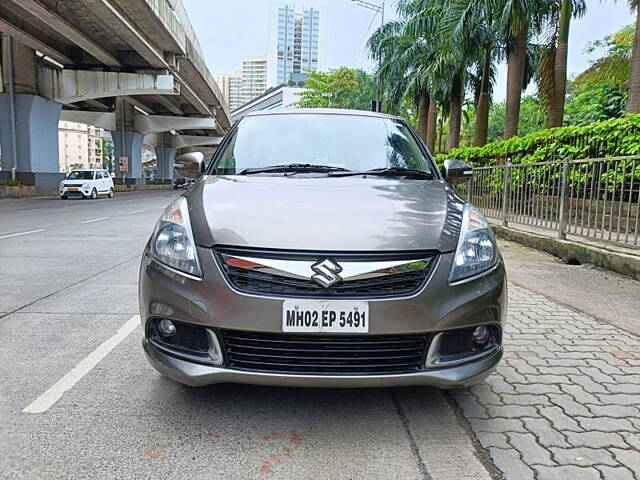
(80,175)
(349,142)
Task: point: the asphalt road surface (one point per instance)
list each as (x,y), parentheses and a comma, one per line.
(78,399)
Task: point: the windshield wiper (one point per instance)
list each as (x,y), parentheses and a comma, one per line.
(388,172)
(293,167)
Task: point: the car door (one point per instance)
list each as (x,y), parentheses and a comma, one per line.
(102,187)
(104,183)
(97,181)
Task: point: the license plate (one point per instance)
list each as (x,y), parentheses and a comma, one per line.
(73,189)
(316,316)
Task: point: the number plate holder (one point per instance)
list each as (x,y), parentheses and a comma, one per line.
(325,316)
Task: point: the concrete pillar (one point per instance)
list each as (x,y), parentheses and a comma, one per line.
(30,128)
(166,157)
(126,141)
(128,144)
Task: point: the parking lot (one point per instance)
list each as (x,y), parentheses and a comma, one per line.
(80,401)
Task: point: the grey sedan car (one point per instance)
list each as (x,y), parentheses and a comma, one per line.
(323,248)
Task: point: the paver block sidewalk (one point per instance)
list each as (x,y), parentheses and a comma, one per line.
(565,401)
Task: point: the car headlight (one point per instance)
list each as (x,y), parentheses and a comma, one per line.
(477,251)
(172,240)
(85,186)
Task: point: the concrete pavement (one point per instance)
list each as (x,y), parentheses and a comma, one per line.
(561,404)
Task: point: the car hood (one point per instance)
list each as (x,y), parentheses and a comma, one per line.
(324,213)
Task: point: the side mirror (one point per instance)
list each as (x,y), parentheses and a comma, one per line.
(190,165)
(457,171)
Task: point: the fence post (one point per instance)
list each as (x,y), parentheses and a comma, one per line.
(564,201)
(506,184)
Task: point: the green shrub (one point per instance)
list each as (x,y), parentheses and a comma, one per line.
(609,138)
(11,183)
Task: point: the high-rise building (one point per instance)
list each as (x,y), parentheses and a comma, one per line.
(254,77)
(222,80)
(79,146)
(236,97)
(231,86)
(72,145)
(297,43)
(94,140)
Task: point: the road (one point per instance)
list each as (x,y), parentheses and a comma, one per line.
(78,399)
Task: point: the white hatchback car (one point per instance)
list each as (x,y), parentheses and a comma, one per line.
(87,184)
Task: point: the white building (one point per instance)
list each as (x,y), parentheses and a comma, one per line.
(254,77)
(235,90)
(79,146)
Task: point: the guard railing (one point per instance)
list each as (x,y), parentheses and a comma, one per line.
(595,198)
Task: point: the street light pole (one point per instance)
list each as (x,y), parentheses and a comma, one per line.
(378,8)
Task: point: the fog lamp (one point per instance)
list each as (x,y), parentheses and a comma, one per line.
(166,328)
(480,334)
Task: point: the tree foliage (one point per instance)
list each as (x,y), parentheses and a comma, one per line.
(341,88)
(614,68)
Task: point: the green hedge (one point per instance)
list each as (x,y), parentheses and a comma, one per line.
(11,183)
(609,138)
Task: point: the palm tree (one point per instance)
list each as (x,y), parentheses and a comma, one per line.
(633,104)
(614,67)
(407,51)
(400,70)
(516,16)
(453,51)
(567,10)
(519,20)
(472,22)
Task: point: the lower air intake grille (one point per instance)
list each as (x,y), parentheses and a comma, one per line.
(320,354)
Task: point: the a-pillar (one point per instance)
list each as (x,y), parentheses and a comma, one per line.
(126,141)
(28,122)
(165,157)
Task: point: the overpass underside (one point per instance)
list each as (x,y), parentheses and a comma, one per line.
(133,67)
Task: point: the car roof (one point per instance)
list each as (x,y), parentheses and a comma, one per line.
(322,111)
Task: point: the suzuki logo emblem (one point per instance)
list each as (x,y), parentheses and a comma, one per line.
(326,272)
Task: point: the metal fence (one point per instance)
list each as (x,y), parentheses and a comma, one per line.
(596,198)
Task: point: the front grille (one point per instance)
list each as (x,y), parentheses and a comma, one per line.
(320,354)
(269,284)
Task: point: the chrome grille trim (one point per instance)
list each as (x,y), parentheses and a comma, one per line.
(290,274)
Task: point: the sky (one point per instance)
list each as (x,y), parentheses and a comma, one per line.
(231,29)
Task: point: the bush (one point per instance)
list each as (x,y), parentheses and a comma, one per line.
(595,104)
(11,183)
(609,138)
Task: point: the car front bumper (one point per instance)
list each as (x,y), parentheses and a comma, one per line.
(80,192)
(198,375)
(211,303)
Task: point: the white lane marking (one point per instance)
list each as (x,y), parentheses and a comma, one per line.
(94,220)
(55,392)
(29,210)
(21,233)
(137,211)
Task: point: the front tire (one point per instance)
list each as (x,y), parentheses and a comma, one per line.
(111,193)
(94,194)
(63,197)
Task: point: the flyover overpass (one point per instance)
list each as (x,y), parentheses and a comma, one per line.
(133,67)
